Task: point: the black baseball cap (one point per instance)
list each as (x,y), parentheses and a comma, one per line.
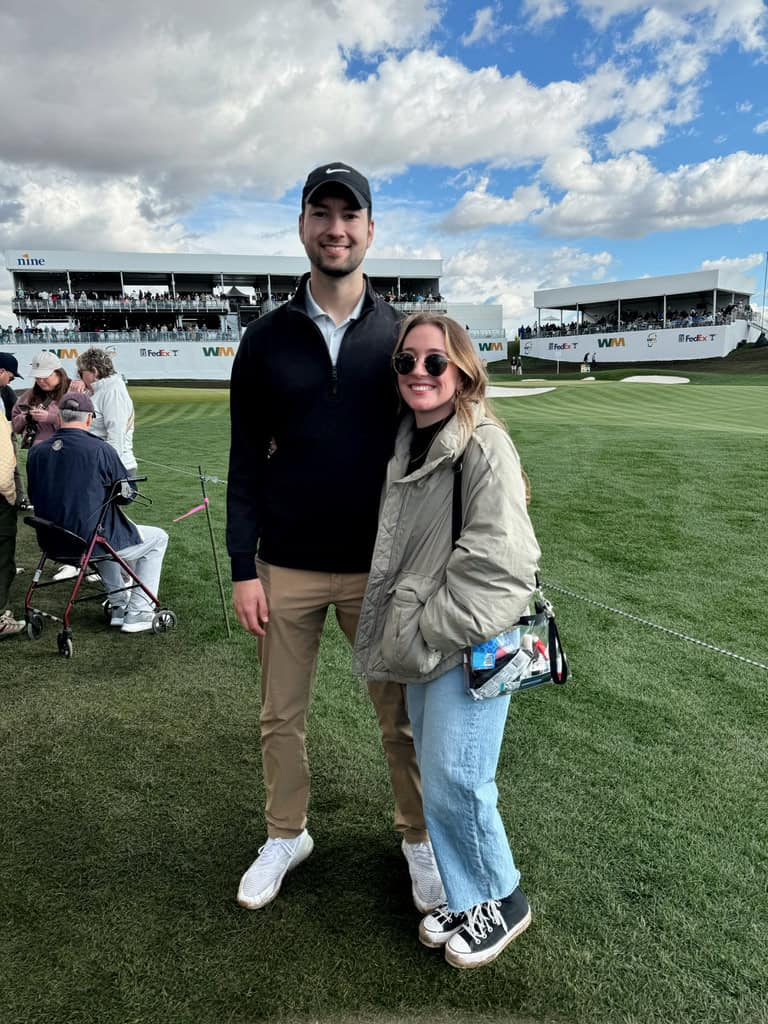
(8,362)
(338,173)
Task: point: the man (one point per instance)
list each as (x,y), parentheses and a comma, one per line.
(70,477)
(8,625)
(313,412)
(9,370)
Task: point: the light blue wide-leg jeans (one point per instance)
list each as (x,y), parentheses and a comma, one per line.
(457,741)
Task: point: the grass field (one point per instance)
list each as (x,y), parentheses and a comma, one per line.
(635,798)
(750,360)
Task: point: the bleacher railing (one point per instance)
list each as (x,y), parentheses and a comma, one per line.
(567,330)
(103,339)
(64,305)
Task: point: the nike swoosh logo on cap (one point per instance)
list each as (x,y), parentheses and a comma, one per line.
(336,170)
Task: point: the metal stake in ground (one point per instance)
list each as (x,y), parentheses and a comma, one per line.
(213,549)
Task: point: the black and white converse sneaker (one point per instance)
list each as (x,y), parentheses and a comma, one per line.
(436,928)
(488,928)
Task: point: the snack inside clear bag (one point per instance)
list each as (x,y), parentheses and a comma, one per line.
(527,655)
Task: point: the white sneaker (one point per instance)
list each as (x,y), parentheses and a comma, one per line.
(261,882)
(136,622)
(66,572)
(10,626)
(426,884)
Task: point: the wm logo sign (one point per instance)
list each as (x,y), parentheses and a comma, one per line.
(491,346)
(218,350)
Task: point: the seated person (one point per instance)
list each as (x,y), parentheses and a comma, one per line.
(70,477)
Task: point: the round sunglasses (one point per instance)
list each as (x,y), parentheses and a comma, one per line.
(435,363)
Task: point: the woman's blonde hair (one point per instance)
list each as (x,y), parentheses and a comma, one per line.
(96,360)
(472,375)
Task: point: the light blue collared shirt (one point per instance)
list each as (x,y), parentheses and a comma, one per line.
(331,332)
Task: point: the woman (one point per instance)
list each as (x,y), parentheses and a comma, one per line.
(36,414)
(113,409)
(428,600)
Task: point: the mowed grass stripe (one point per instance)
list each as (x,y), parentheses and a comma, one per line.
(730,409)
(154,415)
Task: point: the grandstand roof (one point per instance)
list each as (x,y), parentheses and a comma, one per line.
(49,260)
(645,287)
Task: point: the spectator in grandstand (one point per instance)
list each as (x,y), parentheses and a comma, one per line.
(112,405)
(9,626)
(36,414)
(314,378)
(70,474)
(431,593)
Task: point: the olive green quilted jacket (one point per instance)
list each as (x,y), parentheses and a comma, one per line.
(426,601)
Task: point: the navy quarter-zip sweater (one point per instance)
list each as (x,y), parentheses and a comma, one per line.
(312,504)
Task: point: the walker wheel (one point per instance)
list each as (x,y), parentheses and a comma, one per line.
(66,648)
(163,621)
(107,610)
(34,625)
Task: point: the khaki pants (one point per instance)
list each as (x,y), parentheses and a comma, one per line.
(298,602)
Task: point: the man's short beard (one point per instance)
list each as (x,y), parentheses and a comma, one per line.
(337,271)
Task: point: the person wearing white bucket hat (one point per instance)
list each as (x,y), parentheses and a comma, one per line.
(36,414)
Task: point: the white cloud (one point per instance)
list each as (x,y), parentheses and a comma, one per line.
(625,197)
(742,20)
(761,128)
(494,271)
(478,208)
(744,108)
(203,94)
(636,133)
(741,264)
(628,198)
(207,104)
(483,28)
(539,12)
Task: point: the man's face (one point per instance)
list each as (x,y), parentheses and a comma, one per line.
(5,377)
(335,235)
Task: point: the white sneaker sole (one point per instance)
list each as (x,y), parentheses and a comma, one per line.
(432,941)
(266,896)
(465,961)
(136,627)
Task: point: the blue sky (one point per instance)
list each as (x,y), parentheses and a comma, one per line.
(529,144)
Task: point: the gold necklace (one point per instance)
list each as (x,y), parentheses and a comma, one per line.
(415,458)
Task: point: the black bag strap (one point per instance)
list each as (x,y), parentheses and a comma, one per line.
(558,664)
(457,512)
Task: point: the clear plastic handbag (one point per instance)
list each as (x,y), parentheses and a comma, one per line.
(528,654)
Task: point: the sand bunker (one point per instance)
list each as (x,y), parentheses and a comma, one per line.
(655,380)
(515,392)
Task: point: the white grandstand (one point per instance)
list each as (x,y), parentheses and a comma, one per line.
(681,316)
(180,316)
